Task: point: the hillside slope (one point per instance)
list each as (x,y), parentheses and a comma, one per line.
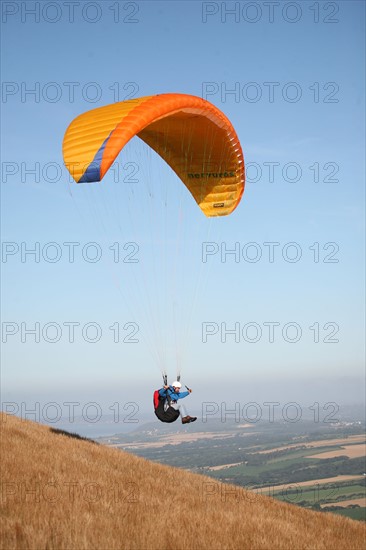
(59,492)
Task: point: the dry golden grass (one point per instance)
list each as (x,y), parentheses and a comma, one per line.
(60,493)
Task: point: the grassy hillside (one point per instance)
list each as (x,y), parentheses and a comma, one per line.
(60,492)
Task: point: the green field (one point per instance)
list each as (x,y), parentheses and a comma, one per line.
(353,513)
(321,494)
(294,466)
(249,471)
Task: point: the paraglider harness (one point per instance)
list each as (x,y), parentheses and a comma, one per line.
(168,414)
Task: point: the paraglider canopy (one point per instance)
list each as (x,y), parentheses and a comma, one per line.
(194,137)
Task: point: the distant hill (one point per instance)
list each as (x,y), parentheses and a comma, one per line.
(60,492)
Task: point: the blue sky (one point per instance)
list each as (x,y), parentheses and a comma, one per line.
(315,146)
